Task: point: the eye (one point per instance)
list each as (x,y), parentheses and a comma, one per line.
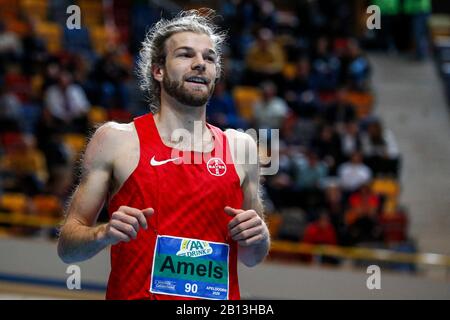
(211,59)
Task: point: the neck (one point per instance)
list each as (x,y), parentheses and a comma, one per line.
(175,116)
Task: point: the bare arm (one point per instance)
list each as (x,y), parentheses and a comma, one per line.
(248,227)
(80,239)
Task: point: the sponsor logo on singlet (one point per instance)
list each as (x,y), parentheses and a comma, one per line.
(216,167)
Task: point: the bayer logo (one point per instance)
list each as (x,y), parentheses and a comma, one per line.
(216,167)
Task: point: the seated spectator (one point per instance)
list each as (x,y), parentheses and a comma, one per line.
(325,66)
(10,111)
(363,202)
(10,47)
(310,172)
(351,140)
(357,71)
(340,111)
(36,51)
(221,110)
(110,76)
(380,149)
(265,59)
(299,91)
(354,173)
(271,112)
(66,105)
(328,147)
(334,204)
(27,166)
(321,232)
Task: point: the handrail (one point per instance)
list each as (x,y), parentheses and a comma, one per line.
(355,253)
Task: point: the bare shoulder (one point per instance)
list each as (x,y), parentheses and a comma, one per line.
(108,141)
(241,143)
(237,136)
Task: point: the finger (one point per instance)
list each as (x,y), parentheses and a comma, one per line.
(135,213)
(251,241)
(118,236)
(128,219)
(148,212)
(125,228)
(232,212)
(248,234)
(244,226)
(246,215)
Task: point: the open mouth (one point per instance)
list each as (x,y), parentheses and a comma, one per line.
(198,80)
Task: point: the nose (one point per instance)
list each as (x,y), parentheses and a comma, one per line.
(199,64)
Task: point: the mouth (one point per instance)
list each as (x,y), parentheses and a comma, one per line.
(198,80)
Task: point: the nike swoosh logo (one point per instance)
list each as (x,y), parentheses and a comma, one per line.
(155,163)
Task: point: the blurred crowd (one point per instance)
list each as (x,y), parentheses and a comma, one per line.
(301,71)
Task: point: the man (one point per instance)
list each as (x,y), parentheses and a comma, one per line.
(177,228)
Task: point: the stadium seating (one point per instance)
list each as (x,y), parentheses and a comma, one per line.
(13,202)
(51,33)
(245,97)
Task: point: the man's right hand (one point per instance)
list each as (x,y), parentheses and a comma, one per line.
(125,224)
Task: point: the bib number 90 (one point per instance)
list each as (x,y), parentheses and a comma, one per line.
(190,288)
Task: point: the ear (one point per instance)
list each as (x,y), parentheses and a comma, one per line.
(157,72)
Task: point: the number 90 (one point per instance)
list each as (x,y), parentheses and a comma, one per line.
(190,288)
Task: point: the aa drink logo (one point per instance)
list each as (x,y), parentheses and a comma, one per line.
(194,248)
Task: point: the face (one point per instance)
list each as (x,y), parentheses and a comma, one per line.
(190,68)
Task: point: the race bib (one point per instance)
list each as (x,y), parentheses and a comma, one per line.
(190,268)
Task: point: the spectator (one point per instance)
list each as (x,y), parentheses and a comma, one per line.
(419,11)
(363,202)
(310,172)
(325,66)
(10,112)
(328,147)
(335,206)
(27,165)
(110,75)
(265,59)
(271,112)
(10,47)
(390,9)
(351,139)
(221,110)
(353,174)
(380,149)
(67,105)
(321,232)
(299,91)
(340,111)
(357,71)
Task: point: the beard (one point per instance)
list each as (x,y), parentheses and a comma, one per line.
(179,92)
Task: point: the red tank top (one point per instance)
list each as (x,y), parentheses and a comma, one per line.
(186,247)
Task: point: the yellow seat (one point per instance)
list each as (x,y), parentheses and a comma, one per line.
(51,33)
(14,202)
(76,142)
(97,115)
(245,97)
(386,186)
(390,189)
(99,39)
(362,101)
(274,223)
(47,205)
(35,8)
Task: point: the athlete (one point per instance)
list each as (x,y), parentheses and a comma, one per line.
(183,211)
